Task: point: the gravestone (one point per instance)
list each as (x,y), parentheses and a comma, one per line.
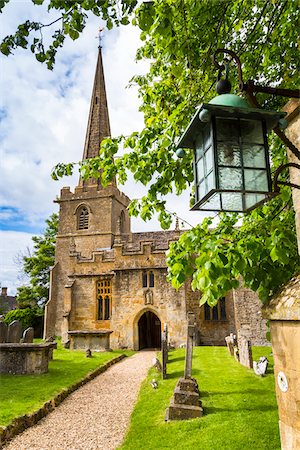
(166,331)
(28,336)
(14,332)
(164,355)
(231,343)
(245,352)
(260,366)
(3,332)
(185,403)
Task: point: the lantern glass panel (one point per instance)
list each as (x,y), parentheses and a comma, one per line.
(206,137)
(230,178)
(254,156)
(227,130)
(232,201)
(256,180)
(200,170)
(253,199)
(202,190)
(251,131)
(228,154)
(199,146)
(210,181)
(208,159)
(213,203)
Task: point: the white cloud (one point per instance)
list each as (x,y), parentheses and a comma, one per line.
(13,245)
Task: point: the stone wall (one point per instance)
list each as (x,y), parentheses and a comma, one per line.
(248,316)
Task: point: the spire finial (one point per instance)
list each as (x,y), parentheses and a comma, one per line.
(100,36)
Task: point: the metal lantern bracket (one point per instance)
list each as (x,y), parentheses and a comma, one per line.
(277,182)
(250,88)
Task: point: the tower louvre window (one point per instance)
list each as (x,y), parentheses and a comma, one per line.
(83,218)
(104,299)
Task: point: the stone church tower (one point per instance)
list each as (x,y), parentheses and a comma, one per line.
(108,286)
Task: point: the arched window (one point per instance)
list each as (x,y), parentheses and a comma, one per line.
(83,218)
(122,222)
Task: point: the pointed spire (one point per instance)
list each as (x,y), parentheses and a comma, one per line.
(98,124)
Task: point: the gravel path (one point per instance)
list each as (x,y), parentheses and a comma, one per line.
(96,416)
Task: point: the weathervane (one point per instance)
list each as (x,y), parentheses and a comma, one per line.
(99,37)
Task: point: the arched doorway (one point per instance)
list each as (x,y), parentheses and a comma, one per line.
(149,327)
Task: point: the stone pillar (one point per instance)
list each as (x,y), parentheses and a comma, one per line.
(283,311)
(292,108)
(189,345)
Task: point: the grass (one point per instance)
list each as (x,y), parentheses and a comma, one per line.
(240,409)
(24,394)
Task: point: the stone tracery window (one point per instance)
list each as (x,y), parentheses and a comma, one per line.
(83,218)
(104,299)
(217,312)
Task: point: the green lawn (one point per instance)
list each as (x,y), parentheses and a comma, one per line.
(240,410)
(24,394)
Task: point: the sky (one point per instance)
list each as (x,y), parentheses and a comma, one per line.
(43,120)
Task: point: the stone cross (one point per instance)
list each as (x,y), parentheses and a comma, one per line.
(3,332)
(14,333)
(189,346)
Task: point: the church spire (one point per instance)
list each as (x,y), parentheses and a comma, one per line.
(98,124)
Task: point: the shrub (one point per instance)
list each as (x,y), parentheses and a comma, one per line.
(29,317)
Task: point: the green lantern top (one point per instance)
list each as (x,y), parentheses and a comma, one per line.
(230,100)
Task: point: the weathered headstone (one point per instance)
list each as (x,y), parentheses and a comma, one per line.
(164,354)
(166,331)
(245,352)
(14,333)
(260,366)
(28,336)
(3,332)
(186,403)
(231,343)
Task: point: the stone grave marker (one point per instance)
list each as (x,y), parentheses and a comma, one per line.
(260,366)
(28,336)
(185,403)
(230,342)
(245,352)
(14,333)
(164,352)
(166,331)
(3,332)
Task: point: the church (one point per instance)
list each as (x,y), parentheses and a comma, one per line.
(108,287)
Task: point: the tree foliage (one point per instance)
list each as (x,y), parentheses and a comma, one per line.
(70,22)
(179,38)
(29,317)
(37,267)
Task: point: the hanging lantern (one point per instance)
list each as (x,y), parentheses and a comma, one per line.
(231,159)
